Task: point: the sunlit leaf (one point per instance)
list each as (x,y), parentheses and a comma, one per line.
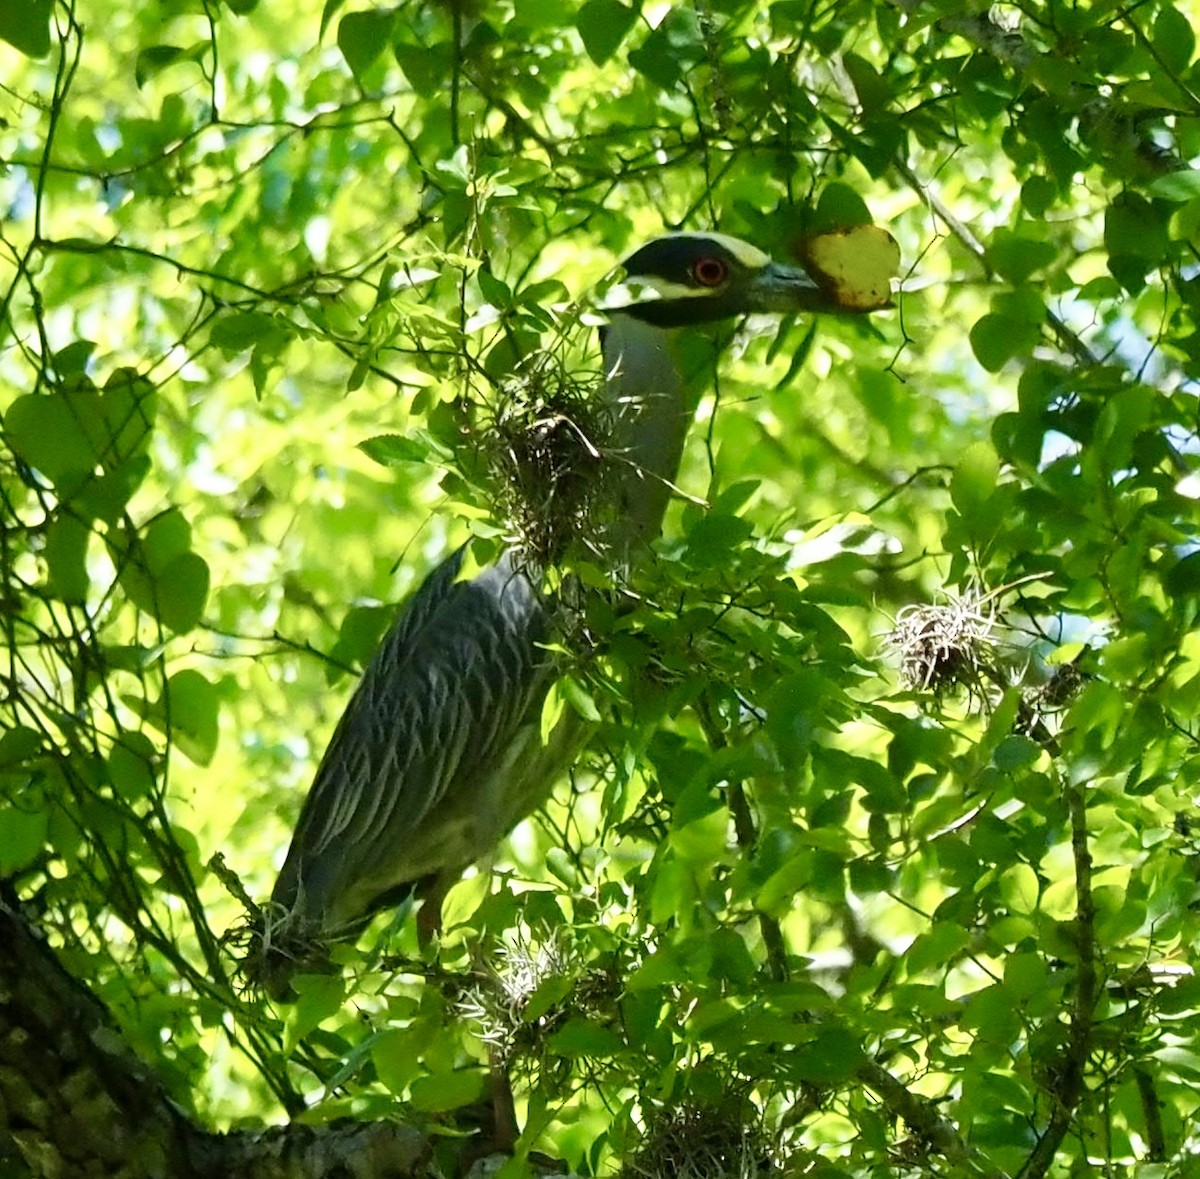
(446,1091)
(854,266)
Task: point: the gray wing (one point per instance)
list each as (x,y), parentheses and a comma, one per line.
(448,700)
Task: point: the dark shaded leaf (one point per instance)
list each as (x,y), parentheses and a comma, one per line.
(602,26)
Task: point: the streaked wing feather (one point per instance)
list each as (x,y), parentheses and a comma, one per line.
(448,689)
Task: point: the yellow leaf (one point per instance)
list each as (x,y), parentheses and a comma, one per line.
(854,266)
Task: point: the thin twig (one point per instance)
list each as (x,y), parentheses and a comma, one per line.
(1068,340)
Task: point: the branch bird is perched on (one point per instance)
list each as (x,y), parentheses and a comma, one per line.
(439,753)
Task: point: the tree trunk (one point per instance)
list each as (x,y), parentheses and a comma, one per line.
(76,1103)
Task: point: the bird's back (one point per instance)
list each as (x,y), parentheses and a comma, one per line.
(414,782)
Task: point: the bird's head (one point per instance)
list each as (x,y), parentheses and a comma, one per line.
(690,278)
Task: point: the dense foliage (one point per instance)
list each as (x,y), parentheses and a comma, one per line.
(883,857)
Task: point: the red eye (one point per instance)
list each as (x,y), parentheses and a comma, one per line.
(710,272)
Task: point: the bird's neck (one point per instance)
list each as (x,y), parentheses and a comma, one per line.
(651,409)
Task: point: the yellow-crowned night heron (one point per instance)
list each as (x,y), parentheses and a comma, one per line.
(439,752)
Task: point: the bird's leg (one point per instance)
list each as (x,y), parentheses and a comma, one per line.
(504,1111)
(432,892)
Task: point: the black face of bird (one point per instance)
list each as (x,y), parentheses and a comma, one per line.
(691,278)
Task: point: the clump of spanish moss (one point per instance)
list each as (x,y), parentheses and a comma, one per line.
(725,1140)
(548,972)
(273,947)
(945,646)
(954,645)
(544,452)
(270,945)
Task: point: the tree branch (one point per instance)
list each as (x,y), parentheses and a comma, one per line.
(923,1120)
(1070,1088)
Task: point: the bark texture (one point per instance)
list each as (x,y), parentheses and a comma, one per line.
(76,1103)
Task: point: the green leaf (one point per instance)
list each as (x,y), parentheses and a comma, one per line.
(328,12)
(993,340)
(996,339)
(840,207)
(831,1056)
(1177,186)
(734,498)
(319,996)
(161,575)
(391,450)
(359,635)
(1118,915)
(602,26)
(395,1055)
(778,894)
(493,289)
(702,841)
(23,834)
(67,434)
(18,745)
(66,557)
(579,698)
(157,58)
(130,407)
(1020,888)
(1016,752)
(442,1092)
(714,537)
(553,708)
(873,91)
(1136,237)
(539,14)
(992,1014)
(673,893)
(1017,257)
(1183,578)
(363,36)
(939,946)
(670,50)
(1025,975)
(796,711)
(583,1037)
(1038,193)
(550,993)
(57,434)
(187,714)
(131,766)
(1174,39)
(244,329)
(166,537)
(1125,415)
(190,715)
(181,589)
(974,481)
(425,66)
(25,25)
(73,359)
